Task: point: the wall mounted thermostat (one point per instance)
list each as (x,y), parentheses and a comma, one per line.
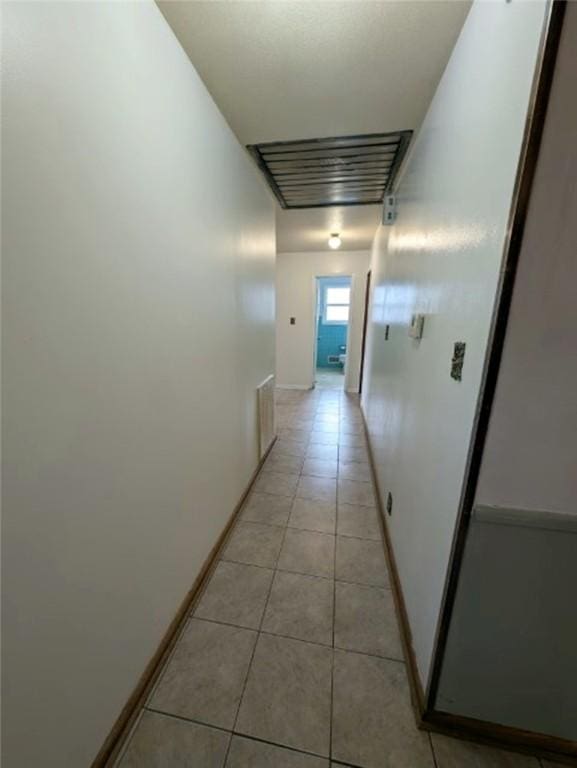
(389,209)
(416,326)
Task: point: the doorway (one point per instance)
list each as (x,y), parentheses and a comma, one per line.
(332,316)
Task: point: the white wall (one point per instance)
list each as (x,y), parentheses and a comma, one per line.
(139,311)
(442,258)
(295,297)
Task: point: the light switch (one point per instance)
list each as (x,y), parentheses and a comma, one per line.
(416,326)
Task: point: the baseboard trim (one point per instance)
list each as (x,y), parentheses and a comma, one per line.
(502,736)
(457,726)
(122,727)
(416,688)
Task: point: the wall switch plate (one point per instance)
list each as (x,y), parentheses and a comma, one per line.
(389,209)
(389,504)
(458,360)
(292,320)
(416,326)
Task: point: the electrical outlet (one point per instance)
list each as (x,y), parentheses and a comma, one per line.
(293,320)
(389,504)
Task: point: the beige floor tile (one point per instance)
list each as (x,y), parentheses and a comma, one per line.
(159,740)
(351,427)
(365,621)
(283,446)
(324,452)
(281,462)
(325,426)
(279,483)
(350,453)
(254,544)
(247,753)
(319,468)
(313,515)
(267,508)
(327,418)
(454,753)
(236,594)
(355,441)
(204,678)
(361,561)
(328,409)
(353,492)
(373,723)
(287,699)
(287,433)
(320,488)
(355,470)
(308,552)
(360,522)
(300,607)
(324,438)
(300,421)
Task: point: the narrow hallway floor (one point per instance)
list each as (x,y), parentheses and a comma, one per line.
(292,656)
(329,379)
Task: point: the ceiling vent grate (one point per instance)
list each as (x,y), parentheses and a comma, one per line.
(318,173)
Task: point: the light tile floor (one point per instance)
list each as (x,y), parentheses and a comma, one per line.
(292,657)
(326,378)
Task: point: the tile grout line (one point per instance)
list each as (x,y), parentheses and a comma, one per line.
(314,575)
(299,639)
(233,733)
(130,735)
(259,633)
(334,605)
(432,748)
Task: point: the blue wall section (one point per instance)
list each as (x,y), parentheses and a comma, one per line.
(330,338)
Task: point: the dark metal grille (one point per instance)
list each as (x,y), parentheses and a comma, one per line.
(316,173)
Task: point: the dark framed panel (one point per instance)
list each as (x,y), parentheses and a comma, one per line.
(344,170)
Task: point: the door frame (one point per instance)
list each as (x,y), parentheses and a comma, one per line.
(365,325)
(316,302)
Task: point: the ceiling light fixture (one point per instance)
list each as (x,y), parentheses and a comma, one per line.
(335,241)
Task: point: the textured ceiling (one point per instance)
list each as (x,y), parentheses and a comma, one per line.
(294,70)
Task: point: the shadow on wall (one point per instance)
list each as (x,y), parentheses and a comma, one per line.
(333,303)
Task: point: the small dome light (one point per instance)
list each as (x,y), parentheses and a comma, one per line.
(335,241)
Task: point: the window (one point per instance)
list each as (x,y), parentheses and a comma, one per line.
(337,301)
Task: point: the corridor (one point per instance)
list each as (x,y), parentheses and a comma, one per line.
(359,218)
(292,655)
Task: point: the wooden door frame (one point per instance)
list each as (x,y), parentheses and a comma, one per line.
(365,324)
